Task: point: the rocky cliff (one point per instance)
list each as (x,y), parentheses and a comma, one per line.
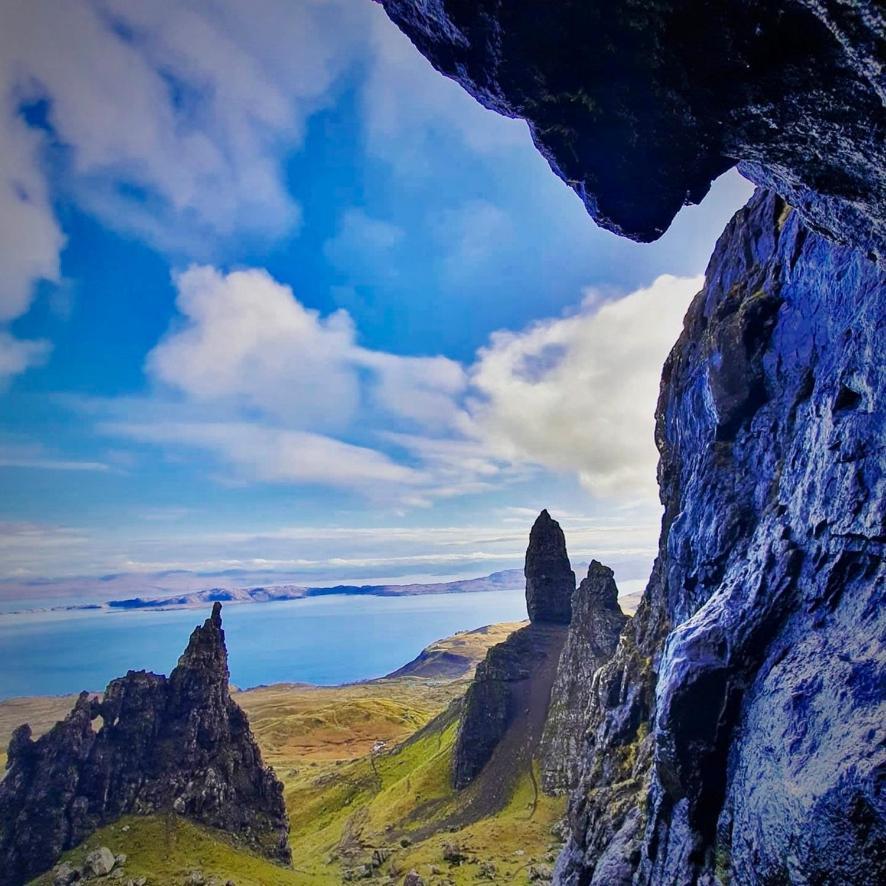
(506,705)
(639,104)
(737,734)
(178,744)
(597,622)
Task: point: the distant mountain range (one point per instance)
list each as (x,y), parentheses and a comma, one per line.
(506,580)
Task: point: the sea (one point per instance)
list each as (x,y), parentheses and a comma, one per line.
(321,640)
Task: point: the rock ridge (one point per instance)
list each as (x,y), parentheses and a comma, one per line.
(176,744)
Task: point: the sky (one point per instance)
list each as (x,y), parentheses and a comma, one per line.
(276,296)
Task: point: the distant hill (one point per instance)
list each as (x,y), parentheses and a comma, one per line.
(506,580)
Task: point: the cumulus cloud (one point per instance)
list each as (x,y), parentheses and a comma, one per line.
(245,341)
(578,393)
(282,388)
(170,119)
(281,394)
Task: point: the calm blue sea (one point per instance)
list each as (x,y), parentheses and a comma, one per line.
(323,640)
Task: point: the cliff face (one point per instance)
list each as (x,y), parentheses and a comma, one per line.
(639,104)
(597,622)
(737,734)
(178,744)
(756,658)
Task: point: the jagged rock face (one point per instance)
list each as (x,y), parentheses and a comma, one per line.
(513,681)
(178,744)
(550,581)
(515,678)
(597,622)
(757,655)
(639,104)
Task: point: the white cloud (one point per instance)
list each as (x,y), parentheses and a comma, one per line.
(276,455)
(245,341)
(184,103)
(17,355)
(578,393)
(275,390)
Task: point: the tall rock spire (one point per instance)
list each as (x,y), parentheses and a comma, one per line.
(178,744)
(550,581)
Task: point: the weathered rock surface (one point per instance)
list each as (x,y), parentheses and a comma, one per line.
(639,104)
(512,685)
(166,744)
(550,581)
(757,654)
(513,682)
(597,622)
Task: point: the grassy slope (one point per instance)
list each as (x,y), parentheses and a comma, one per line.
(341,806)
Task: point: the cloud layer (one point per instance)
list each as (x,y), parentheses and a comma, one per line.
(278,393)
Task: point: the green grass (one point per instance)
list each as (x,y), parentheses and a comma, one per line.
(167,850)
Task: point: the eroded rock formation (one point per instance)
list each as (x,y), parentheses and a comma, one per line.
(597,622)
(639,104)
(550,581)
(178,744)
(513,683)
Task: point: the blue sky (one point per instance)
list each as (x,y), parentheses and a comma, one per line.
(278,296)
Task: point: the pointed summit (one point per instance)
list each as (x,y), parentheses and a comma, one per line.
(177,744)
(550,581)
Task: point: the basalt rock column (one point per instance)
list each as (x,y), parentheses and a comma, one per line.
(178,744)
(550,581)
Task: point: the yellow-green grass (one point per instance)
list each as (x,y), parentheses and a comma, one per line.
(167,850)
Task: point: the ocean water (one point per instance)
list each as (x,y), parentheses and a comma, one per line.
(324,640)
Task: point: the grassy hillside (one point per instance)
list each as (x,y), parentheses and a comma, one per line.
(354,812)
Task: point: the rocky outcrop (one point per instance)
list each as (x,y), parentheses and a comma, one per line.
(737,733)
(744,706)
(166,745)
(550,581)
(639,104)
(597,622)
(509,696)
(512,683)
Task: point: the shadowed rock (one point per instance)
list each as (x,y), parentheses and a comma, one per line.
(550,581)
(597,622)
(639,104)
(178,744)
(512,685)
